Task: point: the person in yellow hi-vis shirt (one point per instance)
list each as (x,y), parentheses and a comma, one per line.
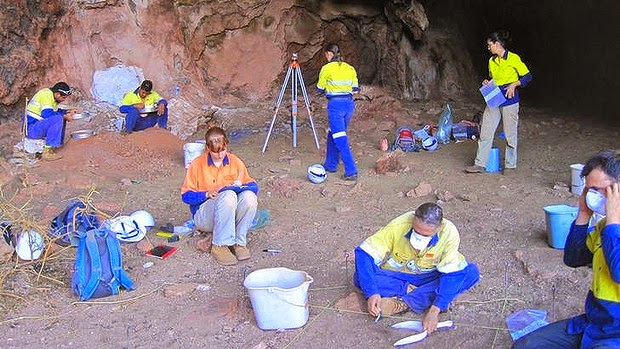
(144,108)
(45,120)
(508,72)
(338,81)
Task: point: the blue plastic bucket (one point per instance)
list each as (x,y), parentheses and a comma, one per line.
(494,160)
(559,219)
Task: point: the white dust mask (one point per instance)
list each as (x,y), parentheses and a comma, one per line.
(596,201)
(419,242)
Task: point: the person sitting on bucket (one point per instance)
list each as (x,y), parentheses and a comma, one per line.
(45,120)
(144,108)
(413,263)
(600,249)
(222,198)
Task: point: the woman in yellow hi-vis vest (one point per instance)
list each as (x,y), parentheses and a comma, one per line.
(338,80)
(507,72)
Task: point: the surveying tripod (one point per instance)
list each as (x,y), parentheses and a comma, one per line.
(294,73)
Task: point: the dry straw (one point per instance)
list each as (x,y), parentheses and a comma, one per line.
(53,264)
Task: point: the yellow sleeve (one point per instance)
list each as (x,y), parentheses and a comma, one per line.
(130,98)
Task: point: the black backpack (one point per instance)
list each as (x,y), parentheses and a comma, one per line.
(75,218)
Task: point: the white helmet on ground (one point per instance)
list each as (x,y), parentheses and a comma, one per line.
(430,143)
(144,218)
(30,245)
(126,229)
(317,174)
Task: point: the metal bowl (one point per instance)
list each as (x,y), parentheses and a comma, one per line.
(149,109)
(81,134)
(78,116)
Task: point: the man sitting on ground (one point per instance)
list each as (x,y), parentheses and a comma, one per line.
(599,249)
(45,120)
(414,263)
(144,108)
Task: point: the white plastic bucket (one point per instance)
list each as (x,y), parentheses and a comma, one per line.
(577,182)
(32,146)
(192,151)
(279,297)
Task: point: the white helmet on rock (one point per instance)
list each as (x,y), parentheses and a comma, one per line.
(430,143)
(30,245)
(144,218)
(317,174)
(126,229)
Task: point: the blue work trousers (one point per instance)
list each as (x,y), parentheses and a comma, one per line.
(427,285)
(339,112)
(136,122)
(51,129)
(554,335)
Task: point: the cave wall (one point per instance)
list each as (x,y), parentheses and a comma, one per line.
(224,52)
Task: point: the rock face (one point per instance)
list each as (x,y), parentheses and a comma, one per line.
(223,52)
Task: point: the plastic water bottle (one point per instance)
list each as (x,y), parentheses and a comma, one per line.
(177,90)
(189,224)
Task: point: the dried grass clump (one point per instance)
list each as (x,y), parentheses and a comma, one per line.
(18,277)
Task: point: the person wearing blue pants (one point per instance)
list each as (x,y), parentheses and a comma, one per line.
(598,249)
(413,263)
(144,108)
(46,120)
(338,81)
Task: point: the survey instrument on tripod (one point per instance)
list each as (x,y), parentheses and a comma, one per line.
(294,74)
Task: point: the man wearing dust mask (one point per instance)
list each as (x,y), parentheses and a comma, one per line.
(413,263)
(600,248)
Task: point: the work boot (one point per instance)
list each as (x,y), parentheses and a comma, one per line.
(475,169)
(222,255)
(50,155)
(393,305)
(241,252)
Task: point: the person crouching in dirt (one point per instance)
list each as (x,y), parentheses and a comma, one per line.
(144,108)
(413,263)
(599,249)
(222,198)
(45,120)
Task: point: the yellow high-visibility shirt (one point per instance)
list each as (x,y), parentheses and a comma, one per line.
(44,99)
(506,70)
(337,79)
(131,98)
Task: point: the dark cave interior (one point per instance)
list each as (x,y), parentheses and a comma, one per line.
(570,47)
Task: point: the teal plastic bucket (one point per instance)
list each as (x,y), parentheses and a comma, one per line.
(559,219)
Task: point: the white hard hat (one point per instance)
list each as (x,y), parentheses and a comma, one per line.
(430,143)
(144,218)
(317,174)
(126,228)
(30,245)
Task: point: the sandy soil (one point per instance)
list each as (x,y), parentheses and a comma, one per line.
(189,301)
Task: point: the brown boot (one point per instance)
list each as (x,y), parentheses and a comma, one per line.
(50,155)
(241,252)
(393,305)
(222,255)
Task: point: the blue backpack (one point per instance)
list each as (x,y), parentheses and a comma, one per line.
(98,268)
(404,140)
(75,218)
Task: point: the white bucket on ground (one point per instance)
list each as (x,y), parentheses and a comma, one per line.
(32,146)
(192,151)
(577,182)
(279,297)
